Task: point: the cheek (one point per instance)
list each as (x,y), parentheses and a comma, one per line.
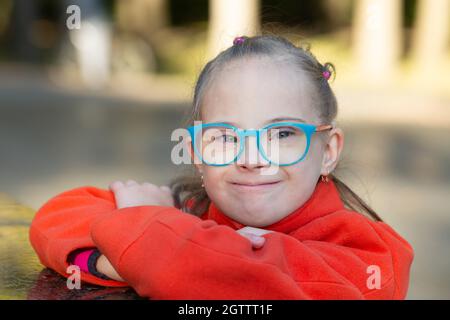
(314,157)
(213,177)
(302,181)
(307,171)
(300,174)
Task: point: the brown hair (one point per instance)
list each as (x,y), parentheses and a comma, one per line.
(187,190)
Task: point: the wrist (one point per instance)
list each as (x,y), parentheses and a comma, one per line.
(92,265)
(104,267)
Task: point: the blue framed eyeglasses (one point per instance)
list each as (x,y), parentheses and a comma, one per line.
(281,143)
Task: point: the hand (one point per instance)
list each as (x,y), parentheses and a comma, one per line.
(133,194)
(104,266)
(255,235)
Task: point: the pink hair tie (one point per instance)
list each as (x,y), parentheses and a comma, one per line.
(239,40)
(326,74)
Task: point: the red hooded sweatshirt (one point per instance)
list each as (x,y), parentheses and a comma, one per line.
(320,251)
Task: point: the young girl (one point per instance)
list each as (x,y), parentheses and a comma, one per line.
(250,223)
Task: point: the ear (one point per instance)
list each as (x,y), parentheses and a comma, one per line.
(333,150)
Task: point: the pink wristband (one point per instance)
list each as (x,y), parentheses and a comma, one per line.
(81,259)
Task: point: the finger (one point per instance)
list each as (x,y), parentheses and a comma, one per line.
(241,232)
(255,231)
(131,183)
(166,188)
(149,185)
(257,241)
(169,202)
(116,185)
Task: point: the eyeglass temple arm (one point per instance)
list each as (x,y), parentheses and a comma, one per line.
(326,127)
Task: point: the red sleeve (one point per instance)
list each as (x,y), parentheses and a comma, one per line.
(63,225)
(164,253)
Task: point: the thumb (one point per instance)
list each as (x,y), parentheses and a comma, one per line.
(257,241)
(165,188)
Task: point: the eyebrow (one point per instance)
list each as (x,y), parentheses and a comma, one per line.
(279,119)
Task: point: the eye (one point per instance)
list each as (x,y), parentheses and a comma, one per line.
(285,133)
(227,138)
(281,133)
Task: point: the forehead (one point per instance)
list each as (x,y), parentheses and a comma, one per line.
(251,91)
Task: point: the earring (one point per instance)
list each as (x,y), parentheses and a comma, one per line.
(203,185)
(324,178)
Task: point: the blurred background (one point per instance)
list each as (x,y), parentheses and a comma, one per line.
(90,91)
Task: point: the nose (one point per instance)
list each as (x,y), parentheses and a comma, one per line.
(251,158)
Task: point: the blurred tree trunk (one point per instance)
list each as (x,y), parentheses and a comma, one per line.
(431,34)
(5,15)
(139,23)
(377,37)
(142,16)
(338,12)
(24,13)
(229,19)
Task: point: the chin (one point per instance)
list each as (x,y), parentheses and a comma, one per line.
(257,216)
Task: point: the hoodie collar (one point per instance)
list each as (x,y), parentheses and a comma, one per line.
(323,201)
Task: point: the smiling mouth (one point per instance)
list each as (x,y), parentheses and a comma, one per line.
(254,184)
(250,186)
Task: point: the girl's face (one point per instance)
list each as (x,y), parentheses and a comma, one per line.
(250,93)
